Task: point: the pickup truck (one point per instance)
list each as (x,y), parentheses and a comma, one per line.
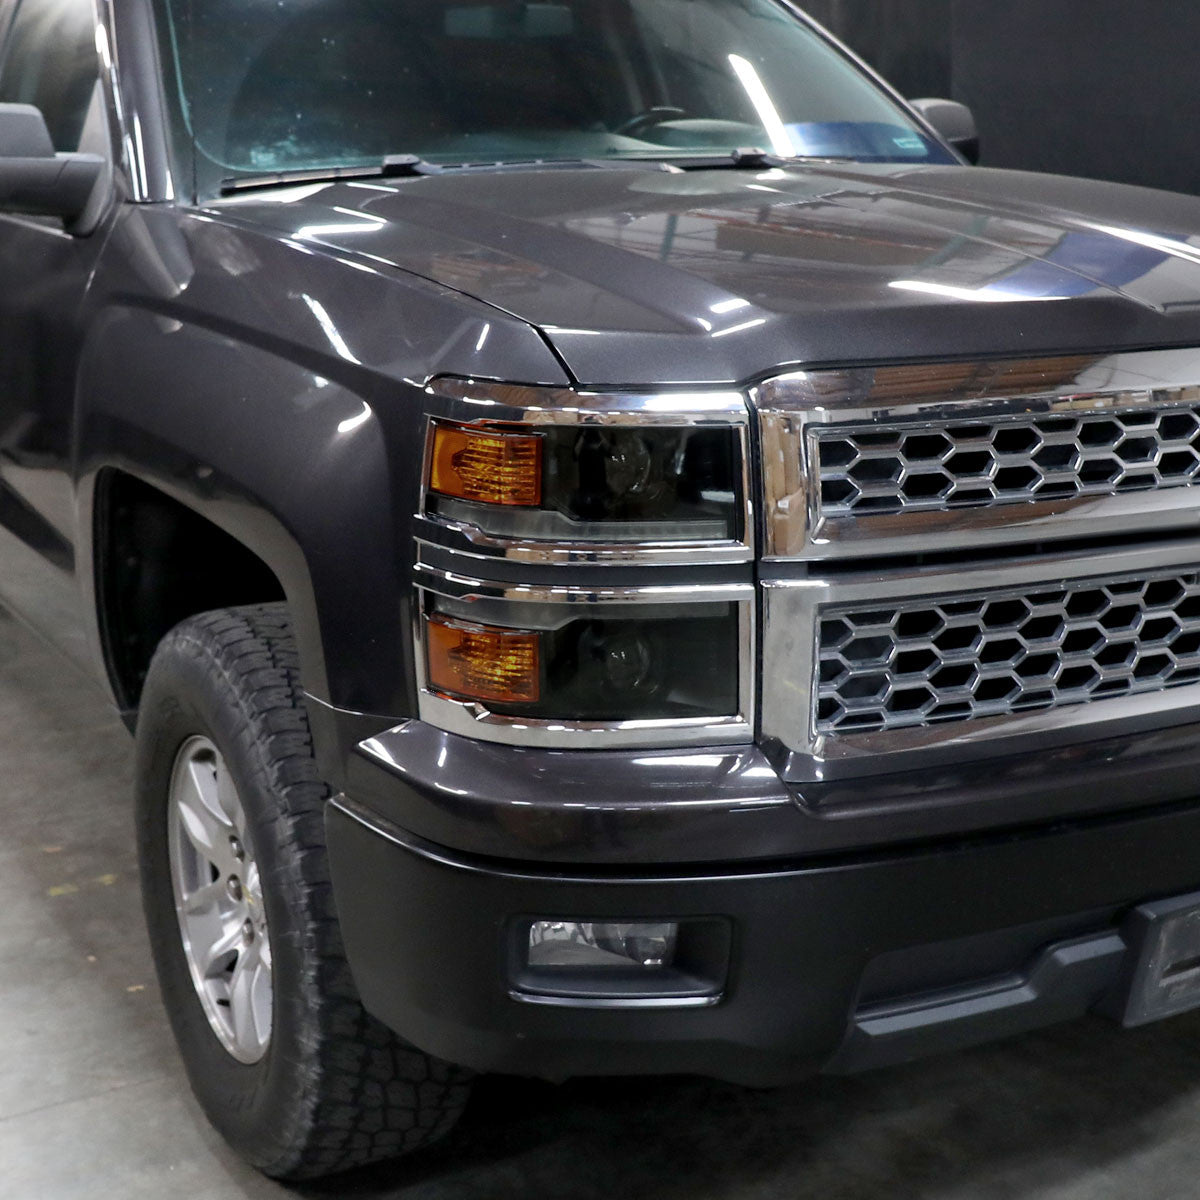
(622,551)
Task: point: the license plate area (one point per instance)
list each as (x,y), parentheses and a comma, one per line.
(1164,979)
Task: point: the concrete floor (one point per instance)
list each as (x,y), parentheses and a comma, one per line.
(93,1104)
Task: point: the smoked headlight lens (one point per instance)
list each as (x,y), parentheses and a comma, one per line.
(591,482)
(682,477)
(675,664)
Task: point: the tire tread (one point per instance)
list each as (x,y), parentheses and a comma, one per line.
(367,1095)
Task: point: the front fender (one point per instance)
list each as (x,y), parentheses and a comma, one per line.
(278,392)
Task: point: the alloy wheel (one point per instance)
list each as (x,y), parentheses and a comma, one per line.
(219,902)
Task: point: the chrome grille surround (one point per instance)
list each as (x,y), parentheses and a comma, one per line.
(900,460)
(800,635)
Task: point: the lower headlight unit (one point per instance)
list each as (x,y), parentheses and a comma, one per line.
(613,663)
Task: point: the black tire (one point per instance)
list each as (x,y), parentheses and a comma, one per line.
(335,1089)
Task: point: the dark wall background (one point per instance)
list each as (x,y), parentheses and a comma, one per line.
(906,41)
(1103,88)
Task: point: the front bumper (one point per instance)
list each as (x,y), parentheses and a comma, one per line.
(824,950)
(724,804)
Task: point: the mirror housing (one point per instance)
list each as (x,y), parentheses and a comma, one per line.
(34,180)
(954,122)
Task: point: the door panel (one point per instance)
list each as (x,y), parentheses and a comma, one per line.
(48,59)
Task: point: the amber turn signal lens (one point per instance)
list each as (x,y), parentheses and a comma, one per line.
(487,467)
(481,662)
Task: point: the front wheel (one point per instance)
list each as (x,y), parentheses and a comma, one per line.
(230,815)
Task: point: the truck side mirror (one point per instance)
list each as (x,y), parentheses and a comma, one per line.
(955,122)
(36,181)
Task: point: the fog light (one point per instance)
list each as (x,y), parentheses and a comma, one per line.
(573,944)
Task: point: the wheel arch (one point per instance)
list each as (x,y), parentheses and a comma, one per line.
(280,475)
(157,562)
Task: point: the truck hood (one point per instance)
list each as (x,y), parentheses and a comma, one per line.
(642,277)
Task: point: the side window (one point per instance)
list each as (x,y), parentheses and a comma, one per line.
(50,60)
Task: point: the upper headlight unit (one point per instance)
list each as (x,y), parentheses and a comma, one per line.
(589,482)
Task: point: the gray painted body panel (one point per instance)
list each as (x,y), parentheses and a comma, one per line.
(277,392)
(644,277)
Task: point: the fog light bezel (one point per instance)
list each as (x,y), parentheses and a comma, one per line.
(697,978)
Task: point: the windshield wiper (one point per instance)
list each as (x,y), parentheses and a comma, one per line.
(752,158)
(410,166)
(748,159)
(395,166)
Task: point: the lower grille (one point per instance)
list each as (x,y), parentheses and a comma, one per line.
(964,657)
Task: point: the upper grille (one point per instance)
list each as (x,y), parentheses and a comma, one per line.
(893,468)
(955,658)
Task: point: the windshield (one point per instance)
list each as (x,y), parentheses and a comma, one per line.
(310,84)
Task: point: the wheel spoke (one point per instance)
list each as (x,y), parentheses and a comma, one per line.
(227,801)
(250,999)
(211,956)
(252,882)
(260,1001)
(206,830)
(205,898)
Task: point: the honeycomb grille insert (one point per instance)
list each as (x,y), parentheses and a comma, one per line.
(960,658)
(870,471)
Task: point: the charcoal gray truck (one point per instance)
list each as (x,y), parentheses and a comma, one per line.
(623,552)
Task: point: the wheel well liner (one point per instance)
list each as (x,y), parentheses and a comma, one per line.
(157,563)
